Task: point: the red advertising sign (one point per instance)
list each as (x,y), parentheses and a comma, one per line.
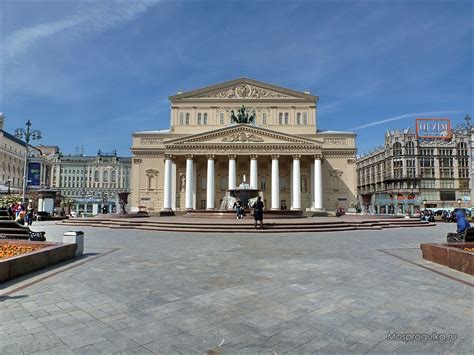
(433,128)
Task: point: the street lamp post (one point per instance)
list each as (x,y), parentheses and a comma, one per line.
(28,135)
(459,202)
(9,182)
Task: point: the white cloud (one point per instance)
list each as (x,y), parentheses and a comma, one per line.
(91,18)
(407,115)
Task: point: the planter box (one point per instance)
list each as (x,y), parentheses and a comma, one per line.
(451,255)
(49,254)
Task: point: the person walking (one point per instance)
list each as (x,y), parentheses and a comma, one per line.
(258,212)
(29,215)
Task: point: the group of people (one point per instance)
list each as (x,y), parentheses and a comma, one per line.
(427,215)
(21,214)
(257,209)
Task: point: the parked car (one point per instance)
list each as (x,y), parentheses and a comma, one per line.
(42,216)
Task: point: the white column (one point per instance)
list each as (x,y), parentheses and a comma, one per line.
(173,185)
(210,183)
(168,185)
(253,172)
(232,172)
(296,184)
(195,180)
(275,183)
(189,182)
(318,184)
(312,186)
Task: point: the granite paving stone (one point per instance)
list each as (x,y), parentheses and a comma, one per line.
(164,292)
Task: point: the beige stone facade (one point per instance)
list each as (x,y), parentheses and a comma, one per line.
(203,154)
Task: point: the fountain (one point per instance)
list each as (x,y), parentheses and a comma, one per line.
(247,196)
(244,192)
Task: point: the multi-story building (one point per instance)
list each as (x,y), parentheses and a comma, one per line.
(407,173)
(208,151)
(92,181)
(12,164)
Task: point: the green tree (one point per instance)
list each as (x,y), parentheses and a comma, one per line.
(67,203)
(7,200)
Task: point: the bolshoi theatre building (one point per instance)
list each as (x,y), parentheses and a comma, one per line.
(243,132)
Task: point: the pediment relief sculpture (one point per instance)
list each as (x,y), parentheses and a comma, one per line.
(245,91)
(243,137)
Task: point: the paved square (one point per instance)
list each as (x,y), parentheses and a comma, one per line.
(239,293)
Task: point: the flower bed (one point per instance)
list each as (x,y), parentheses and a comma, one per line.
(23,257)
(9,250)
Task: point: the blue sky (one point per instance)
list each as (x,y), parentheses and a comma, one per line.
(92,72)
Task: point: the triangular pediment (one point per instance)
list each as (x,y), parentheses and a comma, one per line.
(243,89)
(241,134)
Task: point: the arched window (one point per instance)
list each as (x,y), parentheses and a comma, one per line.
(298,118)
(96,176)
(264,118)
(286,118)
(106,176)
(280,118)
(199,118)
(181,118)
(114,176)
(397,149)
(221,118)
(187,118)
(205,119)
(410,148)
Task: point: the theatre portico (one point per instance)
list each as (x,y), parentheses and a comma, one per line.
(278,147)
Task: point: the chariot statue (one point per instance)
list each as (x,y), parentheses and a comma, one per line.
(243,116)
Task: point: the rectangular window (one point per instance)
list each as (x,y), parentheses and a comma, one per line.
(223,184)
(221,118)
(280,118)
(203,204)
(298,118)
(427,184)
(264,118)
(305,118)
(187,118)
(430,195)
(181,118)
(447,184)
(203,183)
(286,118)
(447,195)
(205,119)
(199,119)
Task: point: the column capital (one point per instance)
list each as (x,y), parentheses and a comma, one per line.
(211,157)
(253,156)
(296,156)
(168,156)
(318,156)
(275,156)
(232,156)
(190,156)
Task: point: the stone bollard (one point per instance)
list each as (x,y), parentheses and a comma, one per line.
(75,237)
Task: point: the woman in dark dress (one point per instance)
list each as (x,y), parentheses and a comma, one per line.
(258,212)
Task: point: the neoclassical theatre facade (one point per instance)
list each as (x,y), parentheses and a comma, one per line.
(281,152)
